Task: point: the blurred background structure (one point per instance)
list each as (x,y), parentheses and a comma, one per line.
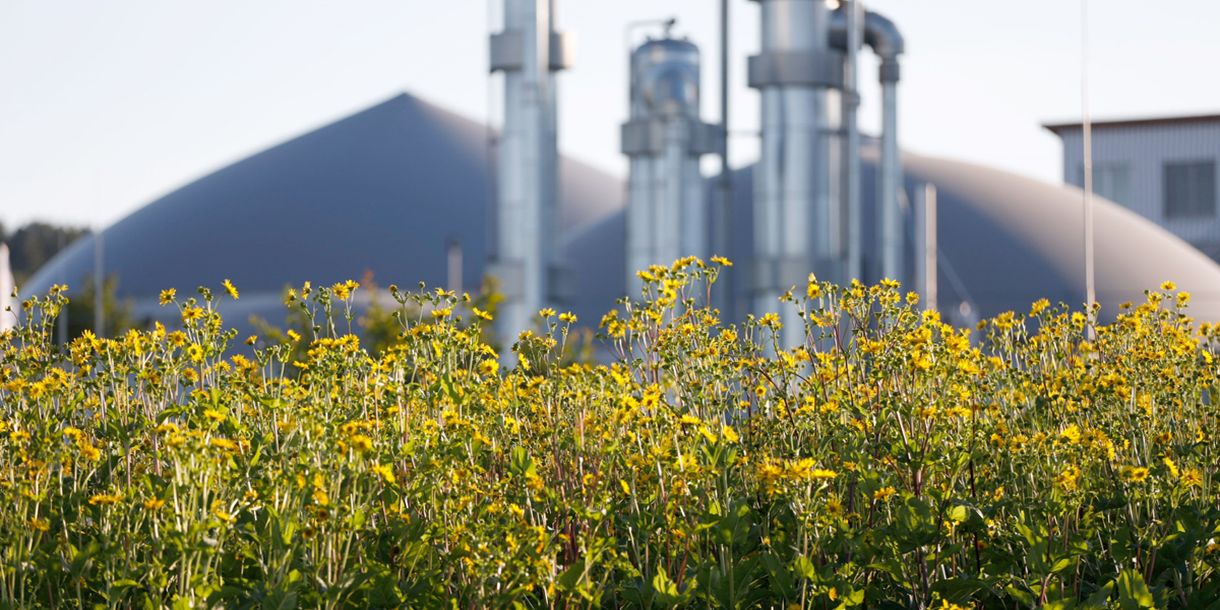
(1162,168)
(407,190)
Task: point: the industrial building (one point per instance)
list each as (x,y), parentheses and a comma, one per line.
(408,191)
(1162,168)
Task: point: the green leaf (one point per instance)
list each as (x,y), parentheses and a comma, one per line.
(804,568)
(957,514)
(1133,592)
(1062,564)
(520,463)
(666,590)
(1023,597)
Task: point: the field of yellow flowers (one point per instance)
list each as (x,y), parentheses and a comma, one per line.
(892,461)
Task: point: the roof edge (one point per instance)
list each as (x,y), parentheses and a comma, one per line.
(1059,127)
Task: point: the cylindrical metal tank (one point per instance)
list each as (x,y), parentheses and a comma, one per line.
(797,226)
(664,138)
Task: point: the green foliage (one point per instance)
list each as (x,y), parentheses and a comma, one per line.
(80,311)
(891,461)
(35,244)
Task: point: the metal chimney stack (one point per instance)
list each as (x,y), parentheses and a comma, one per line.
(664,138)
(529,51)
(797,228)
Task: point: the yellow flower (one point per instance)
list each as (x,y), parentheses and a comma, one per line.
(195,352)
(813,290)
(293,336)
(214,415)
(39,524)
(729,434)
(361,443)
(105,499)
(546,312)
(1171,466)
(1192,477)
(167,296)
(342,290)
(320,498)
(883,494)
(221,514)
(722,261)
(567,317)
(231,289)
(441,313)
(385,472)
(1071,434)
(191,313)
(1168,286)
(1067,478)
(153,503)
(489,367)
(1133,474)
(482,315)
(89,452)
(224,443)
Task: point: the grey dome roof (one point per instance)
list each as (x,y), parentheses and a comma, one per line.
(1004,240)
(380,191)
(385,189)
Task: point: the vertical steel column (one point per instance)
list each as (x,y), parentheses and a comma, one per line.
(854,23)
(883,36)
(926,246)
(724,299)
(527,51)
(890,183)
(793,232)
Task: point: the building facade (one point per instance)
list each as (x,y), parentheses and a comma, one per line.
(1164,169)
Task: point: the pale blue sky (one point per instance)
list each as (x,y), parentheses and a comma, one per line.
(107,105)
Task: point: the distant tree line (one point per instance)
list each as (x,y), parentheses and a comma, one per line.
(34,244)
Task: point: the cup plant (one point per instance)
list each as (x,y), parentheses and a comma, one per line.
(890,460)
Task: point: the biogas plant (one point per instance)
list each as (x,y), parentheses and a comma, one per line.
(408,191)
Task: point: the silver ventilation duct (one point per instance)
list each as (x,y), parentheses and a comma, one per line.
(528,52)
(851,13)
(883,37)
(796,226)
(664,138)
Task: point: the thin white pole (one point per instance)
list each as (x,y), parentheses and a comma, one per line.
(1087,131)
(7,319)
(930,247)
(99,285)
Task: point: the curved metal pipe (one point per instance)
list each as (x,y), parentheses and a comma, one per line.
(883,37)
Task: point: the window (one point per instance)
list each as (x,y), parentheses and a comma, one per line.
(1111,180)
(1190,189)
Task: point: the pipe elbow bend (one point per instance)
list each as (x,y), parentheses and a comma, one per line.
(883,36)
